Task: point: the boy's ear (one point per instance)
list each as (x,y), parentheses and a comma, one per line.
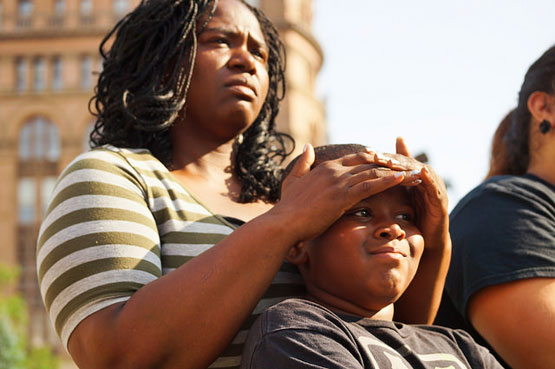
(297,254)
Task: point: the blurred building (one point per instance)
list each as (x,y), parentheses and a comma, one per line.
(49,62)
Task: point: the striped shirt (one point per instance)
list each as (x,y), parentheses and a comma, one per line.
(118,220)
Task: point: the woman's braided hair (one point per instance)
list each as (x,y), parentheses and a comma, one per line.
(143,87)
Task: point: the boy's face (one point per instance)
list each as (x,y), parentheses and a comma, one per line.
(369,256)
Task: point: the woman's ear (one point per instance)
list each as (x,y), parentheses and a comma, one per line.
(297,254)
(540,105)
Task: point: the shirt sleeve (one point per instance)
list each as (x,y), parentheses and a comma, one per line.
(98,243)
(299,349)
(498,237)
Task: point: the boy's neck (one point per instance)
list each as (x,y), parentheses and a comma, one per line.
(341,306)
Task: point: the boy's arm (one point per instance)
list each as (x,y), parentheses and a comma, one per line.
(420,302)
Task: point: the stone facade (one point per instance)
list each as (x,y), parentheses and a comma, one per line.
(48,65)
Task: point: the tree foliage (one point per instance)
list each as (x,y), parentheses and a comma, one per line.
(15,352)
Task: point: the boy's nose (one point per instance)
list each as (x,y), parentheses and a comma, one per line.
(390,232)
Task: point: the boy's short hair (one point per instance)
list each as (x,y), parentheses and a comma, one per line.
(324,153)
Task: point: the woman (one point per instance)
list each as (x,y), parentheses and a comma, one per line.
(501,282)
(142,258)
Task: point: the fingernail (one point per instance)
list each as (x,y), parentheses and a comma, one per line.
(399,174)
(394,161)
(305,147)
(414,172)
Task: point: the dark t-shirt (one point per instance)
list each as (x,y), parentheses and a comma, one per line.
(502,231)
(299,333)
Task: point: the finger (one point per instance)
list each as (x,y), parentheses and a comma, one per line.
(303,164)
(374,157)
(371,187)
(401,147)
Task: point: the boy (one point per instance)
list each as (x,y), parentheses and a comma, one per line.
(354,272)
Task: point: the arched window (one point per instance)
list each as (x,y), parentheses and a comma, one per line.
(39,141)
(39,152)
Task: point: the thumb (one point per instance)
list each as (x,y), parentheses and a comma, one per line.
(401,147)
(304,162)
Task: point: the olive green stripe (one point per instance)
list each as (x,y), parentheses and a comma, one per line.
(192,238)
(114,167)
(94,188)
(93,214)
(118,289)
(85,270)
(174,261)
(92,240)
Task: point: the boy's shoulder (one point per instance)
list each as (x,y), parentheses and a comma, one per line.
(295,313)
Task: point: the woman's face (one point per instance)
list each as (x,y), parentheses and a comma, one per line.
(230,78)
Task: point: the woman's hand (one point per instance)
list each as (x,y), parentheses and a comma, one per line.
(314,199)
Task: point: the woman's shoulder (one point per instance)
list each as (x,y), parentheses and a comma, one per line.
(507,191)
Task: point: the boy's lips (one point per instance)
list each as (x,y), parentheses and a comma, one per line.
(387,250)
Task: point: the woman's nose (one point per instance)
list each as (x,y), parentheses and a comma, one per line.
(390,232)
(242,59)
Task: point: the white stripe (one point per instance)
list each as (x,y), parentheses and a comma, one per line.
(96,226)
(94,201)
(96,253)
(96,280)
(164,202)
(183,249)
(147,165)
(175,225)
(84,312)
(96,176)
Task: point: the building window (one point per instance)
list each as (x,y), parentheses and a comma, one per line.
(120,7)
(39,154)
(20,74)
(39,141)
(24,8)
(39,70)
(86,72)
(86,8)
(57,76)
(59,7)
(1,15)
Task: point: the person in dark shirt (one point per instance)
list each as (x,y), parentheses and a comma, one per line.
(501,281)
(354,273)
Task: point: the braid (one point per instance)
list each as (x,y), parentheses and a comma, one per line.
(142,87)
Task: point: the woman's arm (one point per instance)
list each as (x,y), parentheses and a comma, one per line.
(518,320)
(187,317)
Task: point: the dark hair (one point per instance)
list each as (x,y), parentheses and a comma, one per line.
(540,77)
(498,156)
(142,88)
(324,153)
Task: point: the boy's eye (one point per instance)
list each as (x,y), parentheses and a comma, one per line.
(406,217)
(363,213)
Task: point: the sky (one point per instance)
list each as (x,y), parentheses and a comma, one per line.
(440,73)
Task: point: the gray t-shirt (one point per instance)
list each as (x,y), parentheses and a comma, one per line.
(299,333)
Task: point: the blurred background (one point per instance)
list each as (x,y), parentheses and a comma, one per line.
(441,74)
